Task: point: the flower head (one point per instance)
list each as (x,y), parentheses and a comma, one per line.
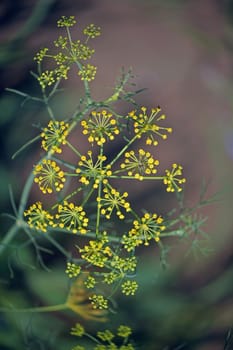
(38,218)
(145,229)
(79,347)
(129,287)
(147,124)
(101,347)
(90,282)
(77,330)
(81,51)
(124,331)
(173,178)
(89,170)
(105,335)
(92,31)
(111,277)
(72,217)
(100,126)
(61,42)
(49,176)
(96,253)
(139,164)
(62,71)
(47,78)
(99,302)
(87,72)
(40,55)
(72,270)
(54,135)
(66,21)
(113,201)
(124,264)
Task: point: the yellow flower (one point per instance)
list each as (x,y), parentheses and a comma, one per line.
(173,178)
(66,21)
(100,126)
(92,31)
(87,72)
(144,229)
(139,164)
(72,270)
(46,78)
(147,124)
(129,287)
(72,218)
(96,172)
(54,136)
(99,302)
(38,218)
(113,200)
(96,253)
(49,176)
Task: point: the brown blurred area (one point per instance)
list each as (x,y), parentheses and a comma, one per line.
(182,52)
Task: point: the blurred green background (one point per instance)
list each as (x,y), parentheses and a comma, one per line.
(182,52)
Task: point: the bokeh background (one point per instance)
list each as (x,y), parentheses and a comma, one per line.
(182,52)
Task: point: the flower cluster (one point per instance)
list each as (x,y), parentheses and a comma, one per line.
(72,270)
(66,21)
(81,51)
(106,339)
(140,164)
(54,135)
(40,55)
(72,217)
(146,228)
(96,253)
(92,31)
(91,201)
(173,178)
(90,282)
(145,123)
(71,52)
(87,72)
(113,201)
(39,218)
(129,287)
(93,171)
(47,78)
(49,176)
(77,330)
(100,126)
(98,301)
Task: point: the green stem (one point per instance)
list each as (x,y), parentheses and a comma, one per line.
(22,205)
(25,146)
(85,83)
(67,197)
(58,246)
(175,233)
(25,195)
(49,109)
(88,234)
(51,308)
(133,177)
(87,197)
(92,338)
(73,149)
(54,88)
(124,149)
(99,195)
(8,237)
